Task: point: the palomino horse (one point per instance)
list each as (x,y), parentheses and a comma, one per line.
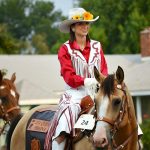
(115,126)
(115,114)
(9,98)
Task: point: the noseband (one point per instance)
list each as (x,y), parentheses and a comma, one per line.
(115,123)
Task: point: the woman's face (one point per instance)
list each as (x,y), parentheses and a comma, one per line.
(81,28)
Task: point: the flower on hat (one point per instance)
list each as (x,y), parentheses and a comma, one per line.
(77,17)
(85,16)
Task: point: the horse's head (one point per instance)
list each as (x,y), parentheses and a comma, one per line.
(9,98)
(112,106)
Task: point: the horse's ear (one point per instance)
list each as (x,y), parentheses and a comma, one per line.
(13,77)
(98,76)
(119,75)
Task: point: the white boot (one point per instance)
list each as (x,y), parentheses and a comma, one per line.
(56,146)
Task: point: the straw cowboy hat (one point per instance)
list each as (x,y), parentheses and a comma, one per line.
(76,15)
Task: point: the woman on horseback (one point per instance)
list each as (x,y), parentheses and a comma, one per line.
(77,57)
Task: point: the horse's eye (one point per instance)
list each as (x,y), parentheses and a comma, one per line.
(97,88)
(116,101)
(3,100)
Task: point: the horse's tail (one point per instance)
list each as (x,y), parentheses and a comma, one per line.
(11,129)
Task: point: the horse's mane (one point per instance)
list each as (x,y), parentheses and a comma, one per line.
(7,82)
(11,129)
(108,85)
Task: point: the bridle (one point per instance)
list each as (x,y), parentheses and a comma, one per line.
(5,99)
(6,115)
(115,123)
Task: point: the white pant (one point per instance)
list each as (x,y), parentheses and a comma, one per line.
(140,133)
(67,120)
(56,146)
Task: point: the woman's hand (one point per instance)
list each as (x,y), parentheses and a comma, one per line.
(91,86)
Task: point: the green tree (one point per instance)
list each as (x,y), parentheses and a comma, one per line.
(12,13)
(39,43)
(8,44)
(43,18)
(27,19)
(120,23)
(146,138)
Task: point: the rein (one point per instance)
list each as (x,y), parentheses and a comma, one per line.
(111,122)
(6,117)
(115,123)
(13,108)
(121,146)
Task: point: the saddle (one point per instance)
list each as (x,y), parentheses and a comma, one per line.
(41,120)
(86,104)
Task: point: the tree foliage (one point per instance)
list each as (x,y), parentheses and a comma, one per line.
(33,25)
(120,23)
(8,44)
(42,20)
(12,13)
(27,19)
(146,138)
(39,42)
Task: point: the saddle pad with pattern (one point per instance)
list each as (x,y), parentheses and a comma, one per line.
(37,128)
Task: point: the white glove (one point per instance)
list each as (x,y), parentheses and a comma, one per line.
(91,86)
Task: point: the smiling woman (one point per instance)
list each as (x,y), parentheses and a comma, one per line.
(77,58)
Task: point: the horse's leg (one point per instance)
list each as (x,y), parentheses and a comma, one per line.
(84,143)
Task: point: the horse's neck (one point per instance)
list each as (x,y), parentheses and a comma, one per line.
(126,131)
(13,116)
(129,127)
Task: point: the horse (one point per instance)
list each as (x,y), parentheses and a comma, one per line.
(115,114)
(9,102)
(116,126)
(115,121)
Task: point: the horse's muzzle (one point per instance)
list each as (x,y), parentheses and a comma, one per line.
(100,138)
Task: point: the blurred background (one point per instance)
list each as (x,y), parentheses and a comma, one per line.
(30,40)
